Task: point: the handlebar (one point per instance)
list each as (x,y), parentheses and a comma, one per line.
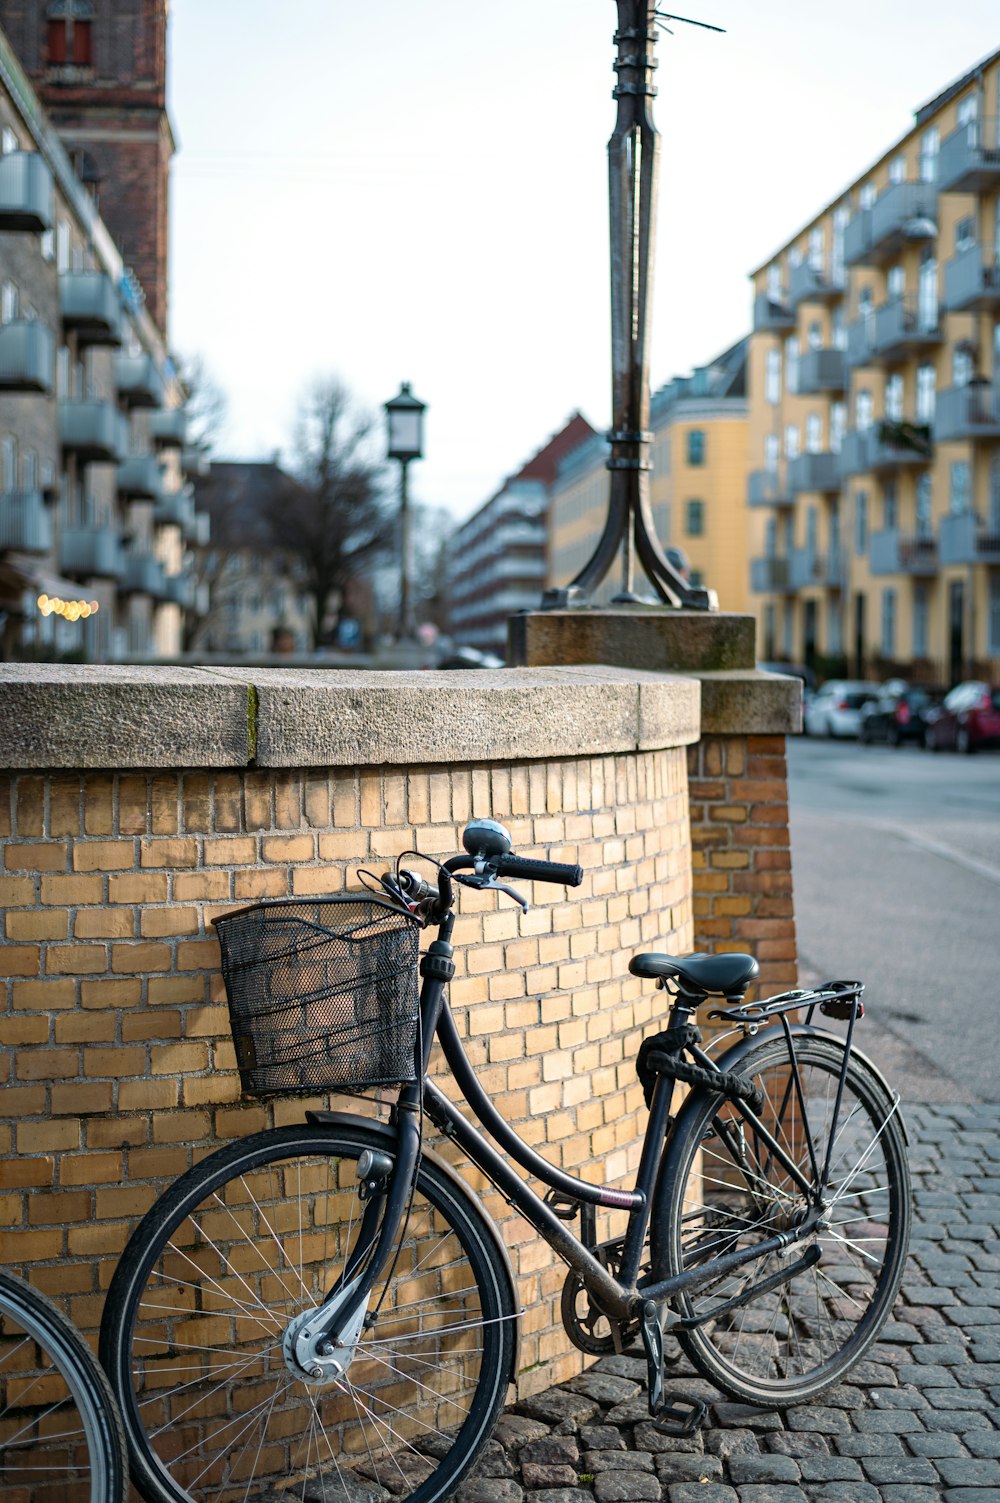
(538,871)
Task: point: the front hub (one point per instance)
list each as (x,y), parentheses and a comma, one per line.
(317,1347)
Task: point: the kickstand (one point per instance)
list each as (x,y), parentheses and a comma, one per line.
(676,1416)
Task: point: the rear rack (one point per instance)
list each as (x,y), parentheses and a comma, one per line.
(837,999)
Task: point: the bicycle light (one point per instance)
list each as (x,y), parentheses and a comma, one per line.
(486,837)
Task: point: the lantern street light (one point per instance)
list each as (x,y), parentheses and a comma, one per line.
(405,416)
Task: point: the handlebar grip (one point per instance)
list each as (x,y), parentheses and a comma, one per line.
(538,871)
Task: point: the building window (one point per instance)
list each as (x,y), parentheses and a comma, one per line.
(694,518)
(993,617)
(696,446)
(965,233)
(968,109)
(920,617)
(867,195)
(814,433)
(772,377)
(791,365)
(890,507)
(888,623)
(8,462)
(930,143)
(772,449)
(958,497)
(8,302)
(791,441)
(69,33)
(8,141)
(926,383)
(834,629)
(838,425)
(895,282)
(897,169)
(29,469)
(961,365)
(864,410)
(894,398)
(860,522)
(774,282)
(814,335)
(924,504)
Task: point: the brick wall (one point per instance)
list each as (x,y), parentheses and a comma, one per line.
(741,852)
(116,1059)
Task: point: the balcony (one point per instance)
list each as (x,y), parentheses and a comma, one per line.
(139,381)
(27,357)
(830,569)
(972,280)
(801,568)
(140,477)
(904,327)
(904,214)
(25,192)
(821,370)
(769,575)
(770,317)
(965,163)
(180,589)
(884,447)
(25,524)
(814,472)
(201,530)
(963,540)
(90,306)
(968,412)
(768,488)
(894,553)
(143,575)
(169,428)
(860,340)
(174,509)
(807,284)
(93,431)
(87,551)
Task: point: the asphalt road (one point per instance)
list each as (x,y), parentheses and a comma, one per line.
(896,866)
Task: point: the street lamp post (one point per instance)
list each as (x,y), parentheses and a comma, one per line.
(633,164)
(405,416)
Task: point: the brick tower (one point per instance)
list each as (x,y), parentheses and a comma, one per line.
(100,69)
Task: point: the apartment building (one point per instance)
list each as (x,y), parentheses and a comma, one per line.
(497,563)
(697,484)
(874,486)
(96,515)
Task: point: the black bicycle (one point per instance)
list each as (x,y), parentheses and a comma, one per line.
(60,1437)
(325,1308)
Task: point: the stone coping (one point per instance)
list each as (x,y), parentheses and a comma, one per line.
(110,717)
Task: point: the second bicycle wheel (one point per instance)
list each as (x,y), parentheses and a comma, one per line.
(241,1245)
(728,1191)
(60,1437)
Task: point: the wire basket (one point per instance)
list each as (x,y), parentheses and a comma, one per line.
(323,993)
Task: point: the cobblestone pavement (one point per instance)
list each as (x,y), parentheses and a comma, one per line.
(917,1422)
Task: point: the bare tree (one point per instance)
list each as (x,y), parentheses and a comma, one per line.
(336,520)
(205,404)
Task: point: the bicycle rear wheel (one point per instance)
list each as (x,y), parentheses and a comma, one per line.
(244,1243)
(60,1437)
(728,1191)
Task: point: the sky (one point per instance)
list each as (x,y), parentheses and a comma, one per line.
(418,192)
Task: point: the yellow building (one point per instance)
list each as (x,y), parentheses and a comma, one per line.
(698,484)
(874,427)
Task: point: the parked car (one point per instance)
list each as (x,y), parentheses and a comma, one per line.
(835,709)
(470,657)
(968,718)
(898,714)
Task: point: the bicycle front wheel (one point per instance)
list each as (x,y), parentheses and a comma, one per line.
(785,1344)
(60,1437)
(237,1249)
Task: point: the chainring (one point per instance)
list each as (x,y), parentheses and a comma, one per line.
(585,1323)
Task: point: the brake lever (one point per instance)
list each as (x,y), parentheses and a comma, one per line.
(511,893)
(485,881)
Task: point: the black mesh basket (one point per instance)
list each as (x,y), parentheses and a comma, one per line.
(323,993)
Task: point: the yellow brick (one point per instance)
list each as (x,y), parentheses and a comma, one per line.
(98,805)
(117,1132)
(21,960)
(210,1089)
(31,995)
(124,1200)
(23,1029)
(30,1247)
(90,1169)
(163,806)
(80,1100)
(30,806)
(158,1163)
(117,1062)
(182,1127)
(231,851)
(47,1137)
(110,993)
(178,1059)
(103,855)
(133,800)
(264,883)
(86,1027)
(257,800)
(200,886)
(72,891)
(17,892)
(206,1022)
(150,887)
(182,851)
(175,989)
(25,1173)
(158,1024)
(104,923)
(65,807)
(342,845)
(99,1240)
(310,881)
(228,797)
(48,923)
(139,958)
(196,801)
(46,856)
(280,848)
(147,1095)
(156,923)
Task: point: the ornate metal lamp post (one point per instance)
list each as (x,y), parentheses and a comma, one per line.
(405,414)
(633,161)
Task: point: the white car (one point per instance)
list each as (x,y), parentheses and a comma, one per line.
(835,709)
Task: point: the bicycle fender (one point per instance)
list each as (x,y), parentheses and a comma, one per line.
(737,1052)
(388,1135)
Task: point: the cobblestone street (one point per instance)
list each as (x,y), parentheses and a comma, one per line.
(915,1423)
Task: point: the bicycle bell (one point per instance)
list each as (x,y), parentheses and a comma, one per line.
(486,837)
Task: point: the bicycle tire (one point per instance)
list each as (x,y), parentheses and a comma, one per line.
(47,1372)
(789,1344)
(239,1245)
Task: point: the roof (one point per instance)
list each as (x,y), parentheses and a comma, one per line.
(543,465)
(940,100)
(240,496)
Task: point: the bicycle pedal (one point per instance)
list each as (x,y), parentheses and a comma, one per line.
(681,1417)
(563,1206)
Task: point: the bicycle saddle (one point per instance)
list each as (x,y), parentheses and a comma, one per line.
(699,974)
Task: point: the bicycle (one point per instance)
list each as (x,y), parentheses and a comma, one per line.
(60,1435)
(325,1308)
